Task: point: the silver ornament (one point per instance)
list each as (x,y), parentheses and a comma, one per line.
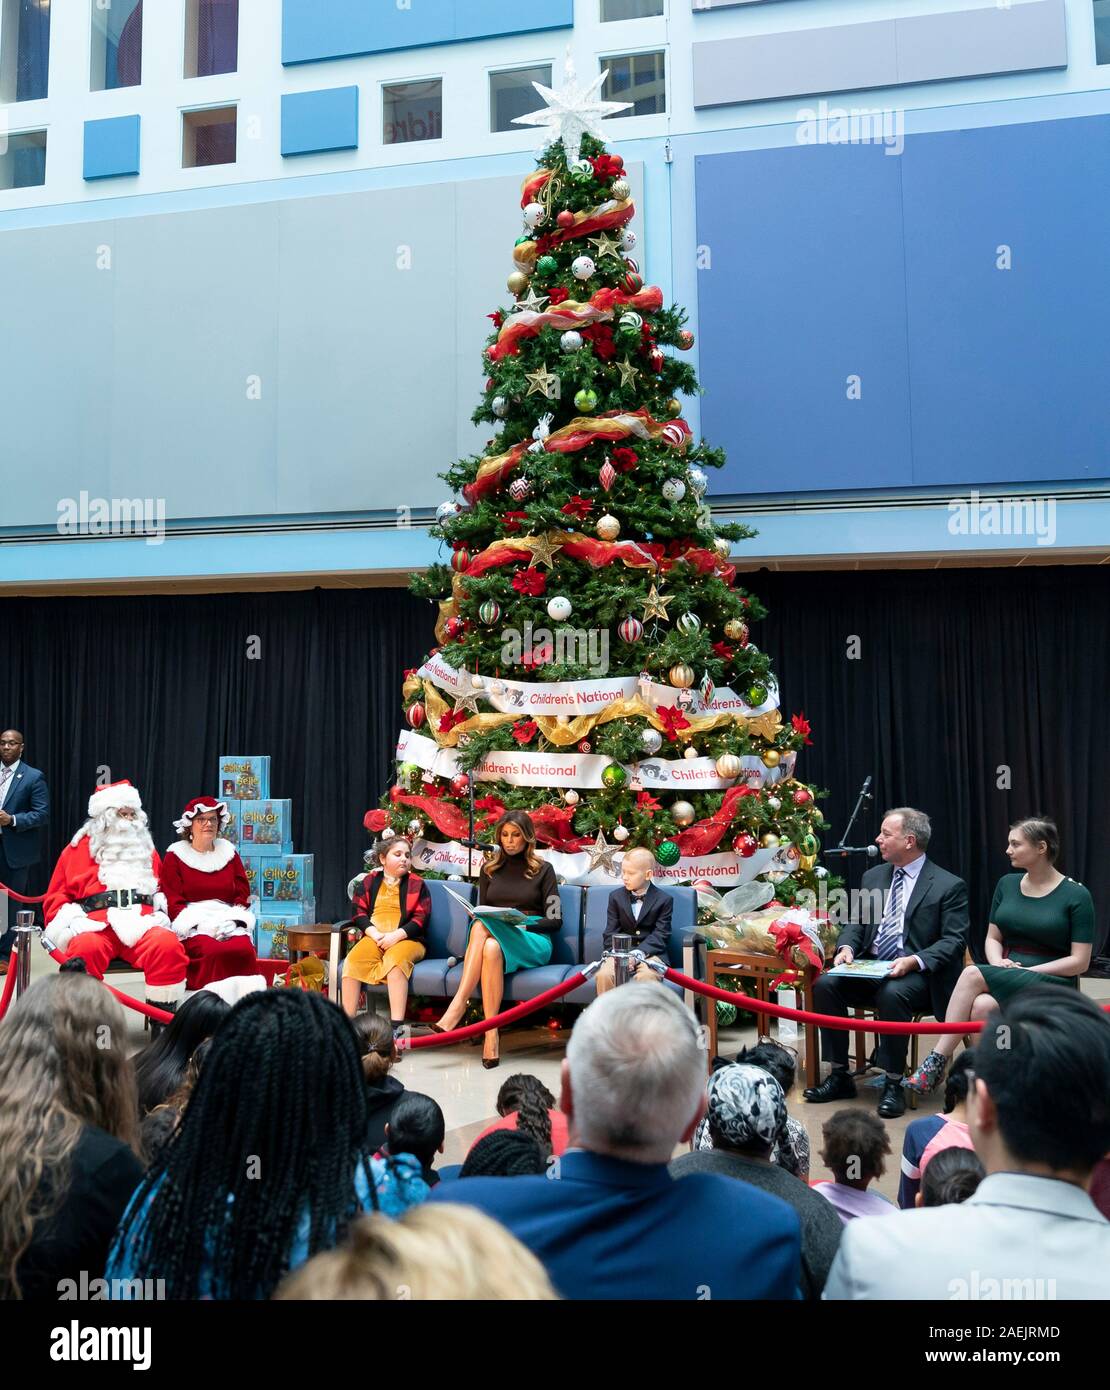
(683,813)
(620,189)
(571,797)
(691,751)
(500,406)
(477,680)
(416,827)
(571,341)
(388,833)
(699,481)
(497,687)
(446,510)
(652,740)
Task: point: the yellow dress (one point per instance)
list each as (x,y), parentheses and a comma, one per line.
(367,961)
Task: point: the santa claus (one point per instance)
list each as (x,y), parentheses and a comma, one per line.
(104,902)
(207,896)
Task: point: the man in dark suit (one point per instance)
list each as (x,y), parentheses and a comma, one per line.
(921,928)
(24,812)
(638,910)
(608,1221)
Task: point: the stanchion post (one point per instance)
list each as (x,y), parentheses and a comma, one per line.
(24,930)
(621,946)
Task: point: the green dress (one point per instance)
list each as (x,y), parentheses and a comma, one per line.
(524,948)
(1035,930)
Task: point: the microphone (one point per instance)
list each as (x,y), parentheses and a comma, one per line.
(872,851)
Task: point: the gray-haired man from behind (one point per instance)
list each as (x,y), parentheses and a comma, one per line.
(609,1221)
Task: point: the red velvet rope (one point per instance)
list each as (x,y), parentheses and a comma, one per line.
(474,1030)
(158,1015)
(9,981)
(19,896)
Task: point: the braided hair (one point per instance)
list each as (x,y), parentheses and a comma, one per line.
(274,1131)
(504,1153)
(532,1102)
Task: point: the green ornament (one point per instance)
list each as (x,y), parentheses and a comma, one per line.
(489,612)
(585,400)
(809,844)
(581,172)
(667,853)
(409,771)
(757,693)
(547,265)
(614,776)
(521,240)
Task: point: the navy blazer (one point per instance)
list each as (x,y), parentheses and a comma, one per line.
(651,931)
(604,1228)
(28,800)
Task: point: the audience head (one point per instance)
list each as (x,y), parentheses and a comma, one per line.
(161,1067)
(773,1058)
(904,834)
(531,1102)
(856,1144)
(441,1251)
(1032,841)
(63,1065)
(952,1175)
(277,1123)
(637,868)
(393,856)
(958,1080)
(634,1075)
(416,1126)
(747,1110)
(504,1153)
(377,1045)
(1040,1098)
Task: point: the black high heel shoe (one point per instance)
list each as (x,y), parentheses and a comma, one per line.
(490,1062)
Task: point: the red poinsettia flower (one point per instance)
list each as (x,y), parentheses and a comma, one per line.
(535,657)
(556,294)
(647,803)
(544,243)
(724,651)
(672,720)
(410,671)
(578,507)
(606,166)
(511,520)
(802,726)
(450,718)
(601,336)
(524,730)
(624,459)
(497,318)
(532,582)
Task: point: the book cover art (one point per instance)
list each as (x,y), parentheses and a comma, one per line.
(250,867)
(245,777)
(266,827)
(230,831)
(271,930)
(286,878)
(864,969)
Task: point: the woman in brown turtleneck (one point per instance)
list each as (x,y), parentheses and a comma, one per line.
(514,877)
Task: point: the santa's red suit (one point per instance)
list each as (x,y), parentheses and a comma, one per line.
(93,868)
(207,896)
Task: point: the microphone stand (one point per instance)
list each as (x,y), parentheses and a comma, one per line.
(843,849)
(471,843)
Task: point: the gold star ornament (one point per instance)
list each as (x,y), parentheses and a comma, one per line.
(541,383)
(655,606)
(543,552)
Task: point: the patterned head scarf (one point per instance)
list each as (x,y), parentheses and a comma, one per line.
(746,1106)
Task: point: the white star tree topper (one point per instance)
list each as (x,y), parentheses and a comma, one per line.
(573,111)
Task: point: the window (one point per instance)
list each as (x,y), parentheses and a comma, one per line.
(211,37)
(24,49)
(630,9)
(512,94)
(117,44)
(23,161)
(1102,31)
(208,137)
(639,78)
(412,111)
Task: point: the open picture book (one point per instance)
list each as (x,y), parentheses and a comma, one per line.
(506,916)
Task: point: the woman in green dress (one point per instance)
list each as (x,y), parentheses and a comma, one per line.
(1041,930)
(514,876)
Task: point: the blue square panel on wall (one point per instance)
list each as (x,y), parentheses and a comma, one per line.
(1009,365)
(111,147)
(312,30)
(314,122)
(801,318)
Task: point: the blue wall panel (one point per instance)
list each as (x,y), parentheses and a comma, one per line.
(312,122)
(111,147)
(316,29)
(806,289)
(1010,368)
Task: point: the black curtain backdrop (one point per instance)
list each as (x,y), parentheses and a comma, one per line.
(964,679)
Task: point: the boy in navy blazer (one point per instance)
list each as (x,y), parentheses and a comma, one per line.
(641,911)
(24,812)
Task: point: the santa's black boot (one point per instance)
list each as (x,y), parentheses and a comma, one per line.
(157,1027)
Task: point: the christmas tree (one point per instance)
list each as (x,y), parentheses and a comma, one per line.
(595,667)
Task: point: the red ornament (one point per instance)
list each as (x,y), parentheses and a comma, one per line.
(460,785)
(656,359)
(565,218)
(454,627)
(632,282)
(489,383)
(685,339)
(461,559)
(416,715)
(745,845)
(584,746)
(803,796)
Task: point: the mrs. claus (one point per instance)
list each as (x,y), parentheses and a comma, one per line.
(208,896)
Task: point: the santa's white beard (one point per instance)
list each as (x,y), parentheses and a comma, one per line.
(123,850)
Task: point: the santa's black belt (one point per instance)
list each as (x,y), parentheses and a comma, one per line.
(118,897)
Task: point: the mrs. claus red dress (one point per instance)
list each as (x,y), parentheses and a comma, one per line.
(208,898)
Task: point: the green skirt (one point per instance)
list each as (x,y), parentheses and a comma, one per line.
(1003,983)
(522,949)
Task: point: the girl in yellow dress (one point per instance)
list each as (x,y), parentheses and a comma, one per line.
(393,908)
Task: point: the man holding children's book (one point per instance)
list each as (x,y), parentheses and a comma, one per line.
(900,960)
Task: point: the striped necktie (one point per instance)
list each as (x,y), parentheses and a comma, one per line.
(888,938)
(5,776)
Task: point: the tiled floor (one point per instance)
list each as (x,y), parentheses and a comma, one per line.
(455,1077)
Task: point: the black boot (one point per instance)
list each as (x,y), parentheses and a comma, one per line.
(838,1085)
(157,1027)
(74,966)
